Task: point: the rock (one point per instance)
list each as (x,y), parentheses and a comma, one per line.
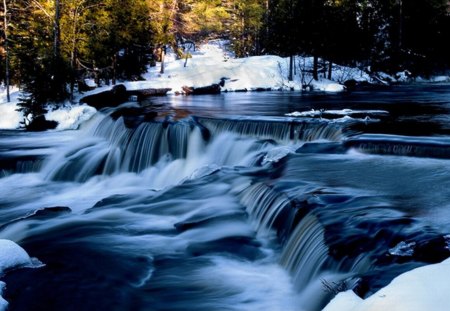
(145,93)
(350,84)
(113,98)
(40,214)
(210,89)
(133,116)
(40,124)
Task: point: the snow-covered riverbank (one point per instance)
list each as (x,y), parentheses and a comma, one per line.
(424,288)
(208,65)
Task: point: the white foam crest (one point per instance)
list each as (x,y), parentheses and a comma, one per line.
(225,150)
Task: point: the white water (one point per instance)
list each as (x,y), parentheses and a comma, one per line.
(219,221)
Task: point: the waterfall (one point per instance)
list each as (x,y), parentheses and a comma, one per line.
(111,147)
(280,130)
(435,147)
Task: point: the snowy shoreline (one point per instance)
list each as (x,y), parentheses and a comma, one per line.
(208,65)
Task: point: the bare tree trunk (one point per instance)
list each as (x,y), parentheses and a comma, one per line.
(330,69)
(186,58)
(114,65)
(56,31)
(315,67)
(8,98)
(163,54)
(291,68)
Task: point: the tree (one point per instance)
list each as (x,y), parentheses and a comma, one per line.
(246,24)
(6,47)
(42,73)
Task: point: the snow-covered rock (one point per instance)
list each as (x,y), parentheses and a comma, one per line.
(12,256)
(71,116)
(425,288)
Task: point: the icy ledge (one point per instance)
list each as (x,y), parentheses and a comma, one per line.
(425,288)
(12,256)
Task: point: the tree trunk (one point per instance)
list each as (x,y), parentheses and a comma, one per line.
(291,68)
(114,65)
(8,98)
(315,67)
(56,31)
(330,69)
(163,54)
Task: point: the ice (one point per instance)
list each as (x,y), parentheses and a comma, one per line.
(12,256)
(403,249)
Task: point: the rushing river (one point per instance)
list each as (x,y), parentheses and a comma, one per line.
(229,202)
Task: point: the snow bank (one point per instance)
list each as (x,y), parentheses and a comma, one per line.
(9,117)
(71,117)
(210,64)
(12,256)
(424,288)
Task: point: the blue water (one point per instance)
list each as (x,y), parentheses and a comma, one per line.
(227,203)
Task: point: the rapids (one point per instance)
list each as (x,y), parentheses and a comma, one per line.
(218,206)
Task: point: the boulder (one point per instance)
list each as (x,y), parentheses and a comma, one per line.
(112,98)
(40,124)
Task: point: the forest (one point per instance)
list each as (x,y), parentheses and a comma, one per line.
(48,45)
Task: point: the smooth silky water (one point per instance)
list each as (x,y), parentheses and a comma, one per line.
(225,203)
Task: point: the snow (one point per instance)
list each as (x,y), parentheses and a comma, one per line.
(326,85)
(71,117)
(424,288)
(209,64)
(13,256)
(3,302)
(9,117)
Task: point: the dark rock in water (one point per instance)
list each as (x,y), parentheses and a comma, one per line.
(146,93)
(133,116)
(40,124)
(433,250)
(206,134)
(210,89)
(113,98)
(51,211)
(330,148)
(350,84)
(41,214)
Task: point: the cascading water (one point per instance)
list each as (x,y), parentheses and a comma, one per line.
(214,214)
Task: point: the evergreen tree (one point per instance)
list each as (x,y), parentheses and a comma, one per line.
(41,71)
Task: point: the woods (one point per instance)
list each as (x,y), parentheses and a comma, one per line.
(49,47)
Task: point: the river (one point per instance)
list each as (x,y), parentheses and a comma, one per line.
(238,201)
